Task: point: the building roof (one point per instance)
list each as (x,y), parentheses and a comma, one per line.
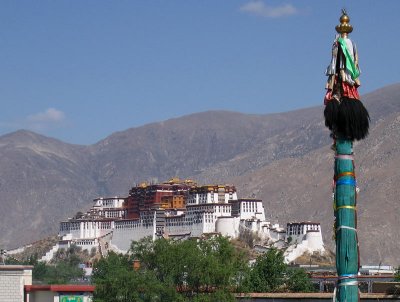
(60,288)
(303,223)
(15,267)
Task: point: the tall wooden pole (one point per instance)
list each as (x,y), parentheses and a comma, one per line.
(347,254)
(348,120)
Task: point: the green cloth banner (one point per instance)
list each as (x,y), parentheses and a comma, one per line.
(347,263)
(350,64)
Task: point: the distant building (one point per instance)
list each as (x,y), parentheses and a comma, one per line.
(377,270)
(179,209)
(303,237)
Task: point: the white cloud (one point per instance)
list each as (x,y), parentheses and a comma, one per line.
(259,8)
(51,115)
(49,119)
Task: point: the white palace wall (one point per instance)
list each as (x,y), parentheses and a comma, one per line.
(205,212)
(127,231)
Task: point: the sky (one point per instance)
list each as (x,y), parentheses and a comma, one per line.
(80,70)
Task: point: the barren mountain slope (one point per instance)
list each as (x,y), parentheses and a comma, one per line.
(190,145)
(43,180)
(301,189)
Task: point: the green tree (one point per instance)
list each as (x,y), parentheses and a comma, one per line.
(397,274)
(270,274)
(298,281)
(39,271)
(62,272)
(193,266)
(189,270)
(267,273)
(64,267)
(116,280)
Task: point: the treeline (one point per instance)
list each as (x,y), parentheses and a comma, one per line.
(192,270)
(166,270)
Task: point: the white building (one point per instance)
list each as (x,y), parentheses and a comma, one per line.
(303,237)
(13,279)
(207,210)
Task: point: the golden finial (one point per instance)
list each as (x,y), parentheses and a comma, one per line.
(344,27)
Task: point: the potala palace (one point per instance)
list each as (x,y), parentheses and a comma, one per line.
(181,209)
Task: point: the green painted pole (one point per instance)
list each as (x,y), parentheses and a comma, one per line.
(347,253)
(348,120)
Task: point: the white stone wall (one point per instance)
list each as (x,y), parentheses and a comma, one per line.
(222,210)
(114,202)
(211,197)
(311,243)
(197,227)
(87,244)
(276,234)
(177,226)
(13,278)
(252,209)
(127,231)
(228,226)
(194,224)
(85,229)
(315,243)
(50,254)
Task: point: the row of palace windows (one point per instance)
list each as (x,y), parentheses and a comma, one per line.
(129,224)
(86,242)
(301,229)
(184,223)
(202,198)
(249,206)
(214,208)
(113,214)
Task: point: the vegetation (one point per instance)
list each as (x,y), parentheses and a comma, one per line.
(36,249)
(328,258)
(397,274)
(270,274)
(249,237)
(64,268)
(191,270)
(267,273)
(116,281)
(63,272)
(298,281)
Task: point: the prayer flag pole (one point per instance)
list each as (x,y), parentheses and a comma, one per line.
(348,120)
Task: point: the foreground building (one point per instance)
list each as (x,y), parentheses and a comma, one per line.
(16,286)
(181,209)
(13,278)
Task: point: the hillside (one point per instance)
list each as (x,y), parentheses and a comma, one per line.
(282,158)
(41,181)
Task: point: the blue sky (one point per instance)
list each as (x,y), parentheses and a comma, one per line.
(81,70)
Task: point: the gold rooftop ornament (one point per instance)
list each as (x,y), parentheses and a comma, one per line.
(344,27)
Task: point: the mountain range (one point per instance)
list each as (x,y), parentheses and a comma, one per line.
(284,159)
